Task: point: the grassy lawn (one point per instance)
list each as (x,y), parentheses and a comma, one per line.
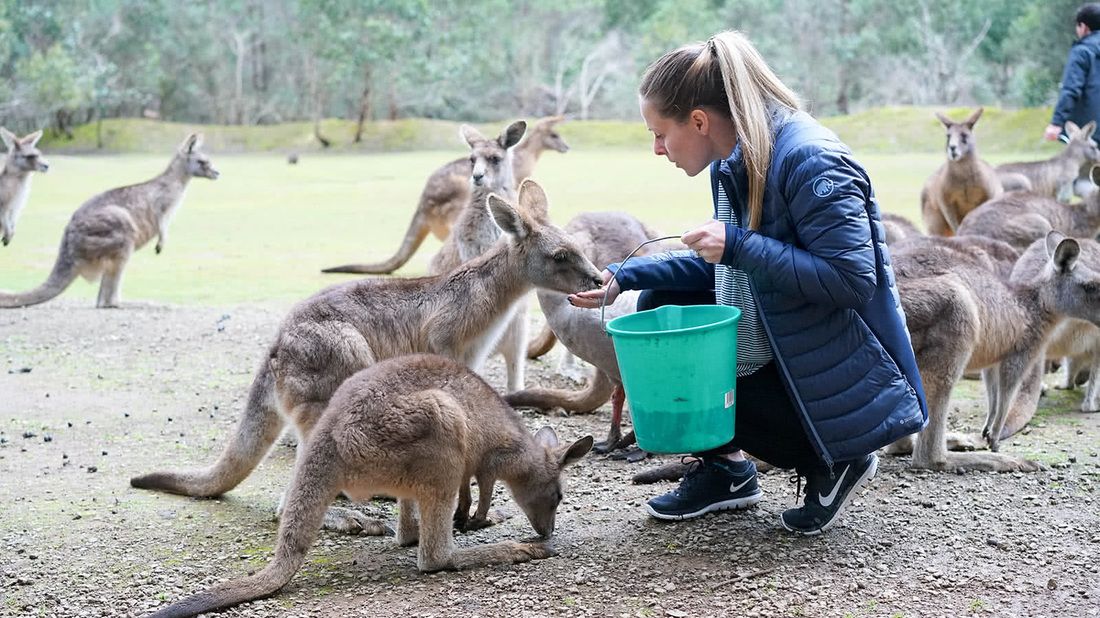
(264,230)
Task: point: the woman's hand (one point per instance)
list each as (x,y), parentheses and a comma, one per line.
(590,299)
(707,240)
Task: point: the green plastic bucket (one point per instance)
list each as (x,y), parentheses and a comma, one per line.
(679,370)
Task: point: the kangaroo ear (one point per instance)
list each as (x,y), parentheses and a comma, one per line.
(1071,128)
(191,144)
(1089,129)
(511,136)
(471,135)
(547,437)
(575,452)
(9,139)
(29,141)
(973,119)
(947,122)
(552,120)
(507,217)
(1063,251)
(533,202)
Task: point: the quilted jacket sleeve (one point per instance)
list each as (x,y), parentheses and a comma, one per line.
(834,261)
(1073,83)
(671,270)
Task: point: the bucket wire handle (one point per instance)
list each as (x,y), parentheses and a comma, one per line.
(614,275)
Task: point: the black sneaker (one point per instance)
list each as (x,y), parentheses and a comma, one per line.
(710,484)
(827,495)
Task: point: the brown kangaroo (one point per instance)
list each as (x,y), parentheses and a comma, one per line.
(447,192)
(969,319)
(106,230)
(344,328)
(15,178)
(1054,177)
(418,428)
(960,184)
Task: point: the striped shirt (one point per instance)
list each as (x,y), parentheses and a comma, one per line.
(731,287)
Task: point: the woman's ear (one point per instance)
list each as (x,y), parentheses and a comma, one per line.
(700,121)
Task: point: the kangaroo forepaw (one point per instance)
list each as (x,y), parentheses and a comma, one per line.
(493,518)
(964,442)
(350,521)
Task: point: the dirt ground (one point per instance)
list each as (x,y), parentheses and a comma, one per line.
(89,398)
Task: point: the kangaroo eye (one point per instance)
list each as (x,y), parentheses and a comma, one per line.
(560,256)
(494,159)
(1091,288)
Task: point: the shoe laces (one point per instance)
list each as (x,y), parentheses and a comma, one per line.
(796,480)
(694,467)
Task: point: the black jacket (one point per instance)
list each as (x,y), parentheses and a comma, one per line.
(1079,99)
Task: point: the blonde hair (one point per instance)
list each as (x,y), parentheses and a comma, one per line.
(727,75)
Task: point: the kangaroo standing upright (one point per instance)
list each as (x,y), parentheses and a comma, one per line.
(106,230)
(960,184)
(15,178)
(447,192)
(335,333)
(417,428)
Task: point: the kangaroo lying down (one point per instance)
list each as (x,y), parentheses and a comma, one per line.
(345,328)
(418,428)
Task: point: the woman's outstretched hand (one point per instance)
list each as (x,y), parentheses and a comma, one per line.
(590,299)
(707,240)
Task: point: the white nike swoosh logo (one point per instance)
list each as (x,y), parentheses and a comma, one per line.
(735,488)
(827,501)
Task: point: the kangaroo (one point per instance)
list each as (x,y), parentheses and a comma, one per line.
(898,227)
(15,178)
(960,184)
(605,237)
(106,230)
(1020,218)
(474,233)
(1055,176)
(415,427)
(969,320)
(447,193)
(345,328)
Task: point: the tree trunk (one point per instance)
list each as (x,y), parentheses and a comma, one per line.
(365,111)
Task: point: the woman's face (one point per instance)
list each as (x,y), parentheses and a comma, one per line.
(685,144)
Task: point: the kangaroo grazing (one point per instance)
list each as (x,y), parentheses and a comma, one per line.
(335,333)
(960,184)
(1020,218)
(415,427)
(15,178)
(447,193)
(106,230)
(1054,177)
(968,320)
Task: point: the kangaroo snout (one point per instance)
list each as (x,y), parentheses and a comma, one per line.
(213,174)
(43,166)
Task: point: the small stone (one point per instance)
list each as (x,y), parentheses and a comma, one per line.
(92,469)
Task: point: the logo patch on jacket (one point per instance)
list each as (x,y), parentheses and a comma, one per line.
(823,187)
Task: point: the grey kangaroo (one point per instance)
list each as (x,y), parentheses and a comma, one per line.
(106,230)
(15,178)
(1054,177)
(1020,218)
(960,184)
(447,192)
(415,427)
(969,319)
(335,333)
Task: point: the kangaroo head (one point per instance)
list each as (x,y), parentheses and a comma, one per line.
(1080,144)
(546,137)
(195,162)
(538,492)
(960,135)
(1074,274)
(492,158)
(23,152)
(549,257)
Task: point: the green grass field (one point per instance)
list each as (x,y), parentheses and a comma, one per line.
(263,231)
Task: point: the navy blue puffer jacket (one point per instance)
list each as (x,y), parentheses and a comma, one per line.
(820,271)
(1079,97)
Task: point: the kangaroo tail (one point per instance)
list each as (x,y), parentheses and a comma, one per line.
(583,401)
(63,274)
(542,343)
(316,484)
(417,232)
(257,430)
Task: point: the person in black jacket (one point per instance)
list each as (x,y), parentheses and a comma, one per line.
(1079,99)
(825,368)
